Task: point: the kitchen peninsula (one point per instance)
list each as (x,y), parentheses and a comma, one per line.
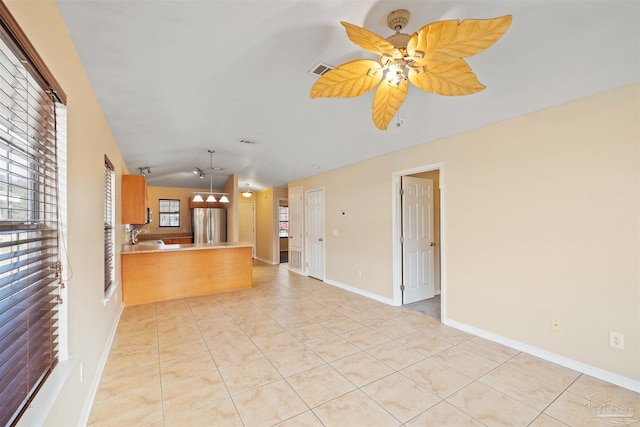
(161,272)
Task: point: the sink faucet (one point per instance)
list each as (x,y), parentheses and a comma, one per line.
(134,234)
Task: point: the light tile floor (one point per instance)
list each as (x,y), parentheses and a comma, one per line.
(293,351)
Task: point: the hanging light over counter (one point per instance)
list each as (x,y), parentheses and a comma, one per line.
(211,194)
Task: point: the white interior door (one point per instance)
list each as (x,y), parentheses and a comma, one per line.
(247,224)
(418,240)
(315,233)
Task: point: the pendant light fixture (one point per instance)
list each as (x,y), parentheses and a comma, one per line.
(246,192)
(211,198)
(211,195)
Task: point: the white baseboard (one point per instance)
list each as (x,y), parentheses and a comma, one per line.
(602,374)
(607,376)
(359,291)
(268,261)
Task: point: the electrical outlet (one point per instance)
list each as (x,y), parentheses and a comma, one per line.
(555,325)
(616,340)
(359,274)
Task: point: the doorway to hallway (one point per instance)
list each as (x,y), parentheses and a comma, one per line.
(430,307)
(417,248)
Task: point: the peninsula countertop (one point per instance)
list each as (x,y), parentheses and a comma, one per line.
(157,246)
(158,272)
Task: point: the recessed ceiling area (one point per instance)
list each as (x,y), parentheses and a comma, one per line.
(176,79)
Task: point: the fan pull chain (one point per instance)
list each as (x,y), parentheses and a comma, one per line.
(399,118)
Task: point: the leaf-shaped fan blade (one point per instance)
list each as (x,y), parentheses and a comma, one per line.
(348,80)
(368,40)
(446,75)
(386,103)
(459,39)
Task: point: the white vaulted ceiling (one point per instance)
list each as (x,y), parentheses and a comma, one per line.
(177,78)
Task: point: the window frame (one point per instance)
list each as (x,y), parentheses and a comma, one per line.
(169,213)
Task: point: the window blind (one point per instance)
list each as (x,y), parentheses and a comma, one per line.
(109,242)
(30,271)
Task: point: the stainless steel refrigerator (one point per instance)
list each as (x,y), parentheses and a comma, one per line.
(209,225)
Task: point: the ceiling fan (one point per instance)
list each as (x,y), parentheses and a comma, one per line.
(431,59)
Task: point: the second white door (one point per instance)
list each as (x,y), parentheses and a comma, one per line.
(315,233)
(418,240)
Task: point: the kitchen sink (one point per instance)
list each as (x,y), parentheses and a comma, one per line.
(150,242)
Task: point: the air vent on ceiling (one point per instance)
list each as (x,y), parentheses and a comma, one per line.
(246,141)
(320,69)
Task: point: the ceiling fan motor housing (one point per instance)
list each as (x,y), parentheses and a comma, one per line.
(398,19)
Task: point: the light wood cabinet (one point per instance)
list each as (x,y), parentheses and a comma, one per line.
(134,199)
(171,274)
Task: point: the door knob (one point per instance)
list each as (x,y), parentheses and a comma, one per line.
(433,243)
(320,239)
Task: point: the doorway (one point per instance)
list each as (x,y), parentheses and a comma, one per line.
(417,272)
(283,230)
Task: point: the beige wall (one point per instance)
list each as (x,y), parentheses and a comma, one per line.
(90,321)
(231,187)
(264,225)
(540,221)
(267,245)
(183,194)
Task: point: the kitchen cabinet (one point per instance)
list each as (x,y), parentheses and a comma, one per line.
(177,240)
(135,204)
(152,273)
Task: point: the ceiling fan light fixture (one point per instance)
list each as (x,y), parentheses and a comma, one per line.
(431,59)
(395,73)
